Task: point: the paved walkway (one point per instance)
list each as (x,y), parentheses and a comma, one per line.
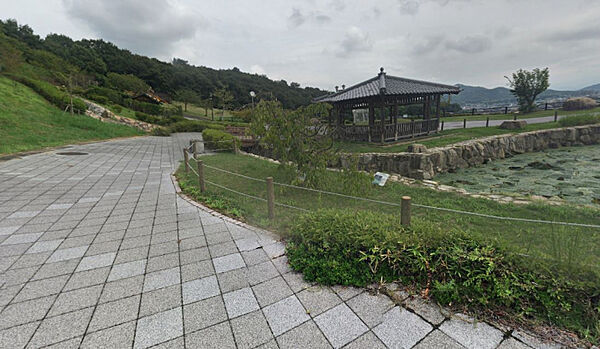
(98,250)
(481,123)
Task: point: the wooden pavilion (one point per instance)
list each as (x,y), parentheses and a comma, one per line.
(382,95)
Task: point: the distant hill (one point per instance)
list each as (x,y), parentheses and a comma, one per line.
(479,96)
(595,87)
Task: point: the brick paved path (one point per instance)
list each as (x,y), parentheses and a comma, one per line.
(98,250)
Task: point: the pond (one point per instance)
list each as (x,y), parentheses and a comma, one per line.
(572,174)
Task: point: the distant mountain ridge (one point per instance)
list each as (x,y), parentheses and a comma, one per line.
(595,87)
(481,96)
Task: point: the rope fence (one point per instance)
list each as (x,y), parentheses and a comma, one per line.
(528,220)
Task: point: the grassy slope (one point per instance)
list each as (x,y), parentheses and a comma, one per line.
(29,122)
(440,139)
(563,244)
(194,110)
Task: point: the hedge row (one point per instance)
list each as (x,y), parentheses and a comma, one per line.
(358,248)
(217,139)
(52,94)
(187,126)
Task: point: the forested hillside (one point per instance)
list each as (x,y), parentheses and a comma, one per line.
(88,63)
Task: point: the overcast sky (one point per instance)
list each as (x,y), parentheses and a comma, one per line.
(325,43)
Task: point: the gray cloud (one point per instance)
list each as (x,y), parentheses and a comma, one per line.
(355,41)
(427,45)
(322,19)
(296,19)
(586,31)
(150,27)
(470,44)
(409,7)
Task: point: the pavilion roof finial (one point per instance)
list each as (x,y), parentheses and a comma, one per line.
(382,87)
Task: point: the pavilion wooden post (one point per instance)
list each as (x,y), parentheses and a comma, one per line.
(270,198)
(382,121)
(371,120)
(405,211)
(395,112)
(185,160)
(201,176)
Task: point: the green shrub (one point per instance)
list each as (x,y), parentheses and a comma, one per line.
(193,126)
(579,103)
(356,248)
(579,120)
(117,108)
(98,98)
(112,95)
(217,139)
(52,94)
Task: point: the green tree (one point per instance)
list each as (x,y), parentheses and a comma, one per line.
(127,82)
(527,85)
(224,98)
(296,138)
(186,97)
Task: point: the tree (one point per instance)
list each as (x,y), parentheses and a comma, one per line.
(296,138)
(527,85)
(127,82)
(224,98)
(186,97)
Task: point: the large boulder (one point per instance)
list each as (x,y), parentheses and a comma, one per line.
(513,124)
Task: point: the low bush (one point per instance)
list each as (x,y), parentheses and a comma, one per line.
(158,120)
(98,98)
(579,103)
(114,96)
(52,94)
(579,120)
(356,248)
(217,139)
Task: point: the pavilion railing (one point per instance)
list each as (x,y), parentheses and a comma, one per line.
(390,132)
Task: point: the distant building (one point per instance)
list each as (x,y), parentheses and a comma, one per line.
(150,97)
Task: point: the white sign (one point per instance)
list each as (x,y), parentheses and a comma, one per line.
(380,178)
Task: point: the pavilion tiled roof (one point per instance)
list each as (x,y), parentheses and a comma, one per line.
(391,85)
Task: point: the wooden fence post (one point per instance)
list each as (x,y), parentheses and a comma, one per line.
(473,111)
(412,122)
(464,123)
(195,149)
(405,211)
(201,176)
(236,148)
(505,110)
(555,115)
(442,126)
(185,160)
(270,198)
(487,122)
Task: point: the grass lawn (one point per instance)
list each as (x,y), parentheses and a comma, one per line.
(440,139)
(510,116)
(29,122)
(569,246)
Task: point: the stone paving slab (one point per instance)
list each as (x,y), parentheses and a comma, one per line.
(100,250)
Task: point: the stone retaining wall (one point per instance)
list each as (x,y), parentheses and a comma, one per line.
(425,165)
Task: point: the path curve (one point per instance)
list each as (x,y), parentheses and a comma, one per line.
(99,250)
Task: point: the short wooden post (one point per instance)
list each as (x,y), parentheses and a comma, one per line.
(201,176)
(487,122)
(546,106)
(236,148)
(270,198)
(515,117)
(185,160)
(464,123)
(442,127)
(505,110)
(405,211)
(473,111)
(555,115)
